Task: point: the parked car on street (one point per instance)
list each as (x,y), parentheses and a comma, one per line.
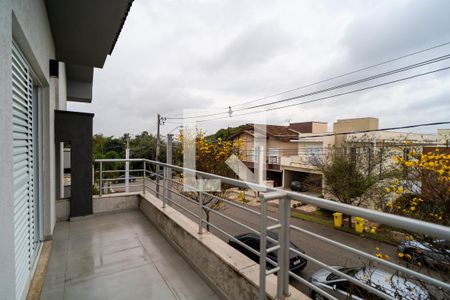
(341,288)
(298,186)
(432,254)
(121,179)
(160,173)
(296,262)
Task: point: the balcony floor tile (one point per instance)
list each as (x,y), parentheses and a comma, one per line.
(118,256)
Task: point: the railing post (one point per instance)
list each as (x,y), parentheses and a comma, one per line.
(144,172)
(127,169)
(157,169)
(283,261)
(164,199)
(200,212)
(263,249)
(100,181)
(169,162)
(165,185)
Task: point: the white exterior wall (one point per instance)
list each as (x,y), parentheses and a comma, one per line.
(392,136)
(62,87)
(26,22)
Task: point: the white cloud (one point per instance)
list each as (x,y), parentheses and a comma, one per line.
(175,55)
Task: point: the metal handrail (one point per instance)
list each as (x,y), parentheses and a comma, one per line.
(284,198)
(418,226)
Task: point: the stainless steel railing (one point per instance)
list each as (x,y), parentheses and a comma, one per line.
(154,181)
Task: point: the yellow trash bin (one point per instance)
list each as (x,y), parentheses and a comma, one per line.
(241,196)
(359,224)
(337,219)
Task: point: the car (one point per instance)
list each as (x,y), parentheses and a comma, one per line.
(432,254)
(121,179)
(296,262)
(298,186)
(341,288)
(153,174)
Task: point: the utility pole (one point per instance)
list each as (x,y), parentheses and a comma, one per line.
(160,122)
(127,166)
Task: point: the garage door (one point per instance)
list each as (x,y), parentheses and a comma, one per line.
(25,220)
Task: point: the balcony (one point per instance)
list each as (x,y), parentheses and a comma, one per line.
(300,162)
(118,256)
(160,236)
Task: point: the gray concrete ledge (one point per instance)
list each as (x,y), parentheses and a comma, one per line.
(115,203)
(231,273)
(106,204)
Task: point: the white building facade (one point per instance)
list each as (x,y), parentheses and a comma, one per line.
(46,60)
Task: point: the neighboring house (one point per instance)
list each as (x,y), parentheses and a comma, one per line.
(278,143)
(444,136)
(298,167)
(48,52)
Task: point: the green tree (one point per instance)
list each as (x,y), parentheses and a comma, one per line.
(354,173)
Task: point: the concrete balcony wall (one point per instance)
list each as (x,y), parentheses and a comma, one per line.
(106,204)
(233,275)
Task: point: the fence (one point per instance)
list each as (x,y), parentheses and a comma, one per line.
(166,187)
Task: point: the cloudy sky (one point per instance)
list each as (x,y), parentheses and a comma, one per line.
(196,58)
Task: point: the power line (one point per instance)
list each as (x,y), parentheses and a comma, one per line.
(371,130)
(180,126)
(376,130)
(403,69)
(154,125)
(348,73)
(331,96)
(355,82)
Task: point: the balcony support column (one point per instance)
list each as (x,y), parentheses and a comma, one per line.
(75,128)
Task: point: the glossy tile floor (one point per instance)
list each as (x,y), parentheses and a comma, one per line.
(118,256)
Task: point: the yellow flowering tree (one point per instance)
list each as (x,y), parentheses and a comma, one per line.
(211,155)
(423,191)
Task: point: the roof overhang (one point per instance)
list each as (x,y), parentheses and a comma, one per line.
(84,33)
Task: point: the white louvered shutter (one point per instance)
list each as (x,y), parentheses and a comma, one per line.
(23,160)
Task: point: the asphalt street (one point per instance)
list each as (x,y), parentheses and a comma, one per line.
(320,250)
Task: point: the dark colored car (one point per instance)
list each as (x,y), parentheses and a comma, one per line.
(298,186)
(121,179)
(433,254)
(160,176)
(296,262)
